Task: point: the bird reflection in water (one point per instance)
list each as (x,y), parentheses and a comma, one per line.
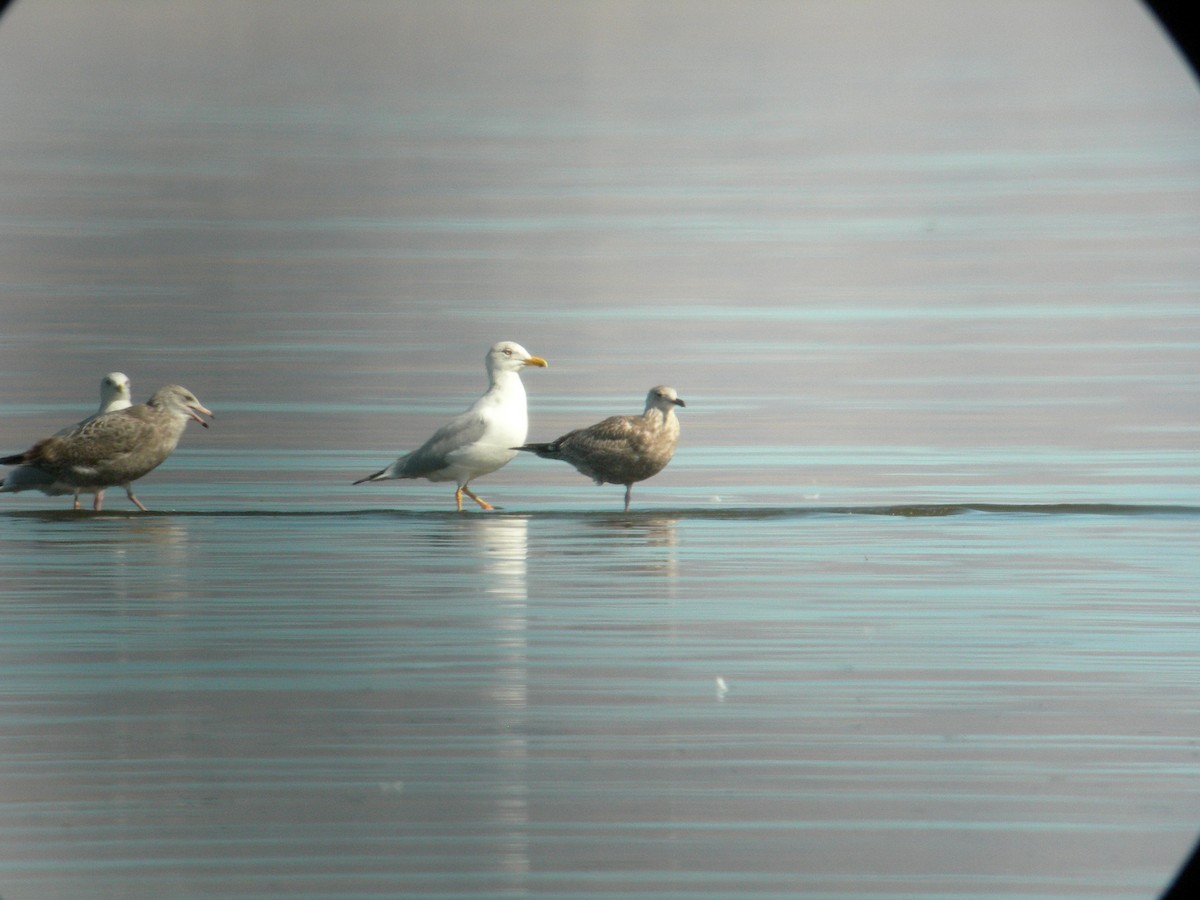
(502,543)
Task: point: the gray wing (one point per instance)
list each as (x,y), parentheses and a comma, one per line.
(461,431)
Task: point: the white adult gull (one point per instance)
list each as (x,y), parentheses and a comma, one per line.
(114,395)
(116,447)
(480,440)
(622,449)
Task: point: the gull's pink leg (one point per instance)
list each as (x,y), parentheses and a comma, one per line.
(136,501)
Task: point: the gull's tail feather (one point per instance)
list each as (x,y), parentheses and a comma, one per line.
(548,450)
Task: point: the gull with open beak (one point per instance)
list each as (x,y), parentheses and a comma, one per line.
(115,448)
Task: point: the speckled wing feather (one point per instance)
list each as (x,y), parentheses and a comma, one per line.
(111,449)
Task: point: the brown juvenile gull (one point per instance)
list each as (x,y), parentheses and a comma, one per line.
(114,395)
(114,448)
(477,441)
(622,449)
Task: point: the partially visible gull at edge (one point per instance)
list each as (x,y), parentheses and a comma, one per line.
(112,448)
(622,449)
(480,440)
(114,395)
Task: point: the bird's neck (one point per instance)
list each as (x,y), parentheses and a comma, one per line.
(509,382)
(659,417)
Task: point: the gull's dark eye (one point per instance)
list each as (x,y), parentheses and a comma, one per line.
(507,351)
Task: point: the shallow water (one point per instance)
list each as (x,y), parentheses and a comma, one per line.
(912,613)
(913,700)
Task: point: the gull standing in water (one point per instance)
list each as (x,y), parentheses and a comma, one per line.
(114,395)
(114,448)
(622,449)
(480,440)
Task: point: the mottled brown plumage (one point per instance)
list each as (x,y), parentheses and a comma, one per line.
(116,448)
(622,449)
(114,394)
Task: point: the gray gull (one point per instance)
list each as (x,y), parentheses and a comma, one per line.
(477,441)
(622,449)
(116,447)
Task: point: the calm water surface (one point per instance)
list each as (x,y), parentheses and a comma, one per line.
(913,612)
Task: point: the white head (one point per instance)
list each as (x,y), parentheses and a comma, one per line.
(114,392)
(181,401)
(663,398)
(508,356)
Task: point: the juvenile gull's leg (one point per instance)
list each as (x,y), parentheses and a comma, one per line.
(136,501)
